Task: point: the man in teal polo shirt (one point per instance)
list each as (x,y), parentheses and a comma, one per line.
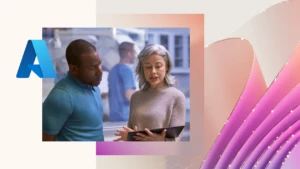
(73,110)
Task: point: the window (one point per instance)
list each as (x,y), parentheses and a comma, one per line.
(164,40)
(48,33)
(178,51)
(150,39)
(177,43)
(134,36)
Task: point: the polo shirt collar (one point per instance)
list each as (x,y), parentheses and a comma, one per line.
(81,85)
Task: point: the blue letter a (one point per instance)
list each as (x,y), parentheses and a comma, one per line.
(45,69)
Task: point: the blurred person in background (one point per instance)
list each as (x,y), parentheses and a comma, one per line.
(73,110)
(121,83)
(158,104)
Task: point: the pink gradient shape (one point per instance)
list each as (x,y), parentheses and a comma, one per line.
(285,81)
(284,124)
(195,22)
(273,35)
(291,101)
(254,89)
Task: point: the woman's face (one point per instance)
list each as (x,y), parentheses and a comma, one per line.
(155,69)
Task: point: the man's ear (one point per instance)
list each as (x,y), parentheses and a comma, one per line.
(73,69)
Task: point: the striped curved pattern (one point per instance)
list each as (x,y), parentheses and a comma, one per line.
(264,125)
(255,81)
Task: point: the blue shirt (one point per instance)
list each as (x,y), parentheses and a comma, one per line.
(120,78)
(73,111)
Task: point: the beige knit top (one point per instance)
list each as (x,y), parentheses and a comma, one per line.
(157,108)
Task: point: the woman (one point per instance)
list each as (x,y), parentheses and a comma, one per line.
(157,104)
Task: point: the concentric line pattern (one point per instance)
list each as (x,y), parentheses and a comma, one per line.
(289,102)
(274,150)
(284,124)
(283,153)
(271,116)
(292,161)
(264,146)
(262,162)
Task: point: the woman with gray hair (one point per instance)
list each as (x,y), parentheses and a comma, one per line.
(158,104)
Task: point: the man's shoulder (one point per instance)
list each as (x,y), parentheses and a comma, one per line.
(124,67)
(63,88)
(57,97)
(119,68)
(63,84)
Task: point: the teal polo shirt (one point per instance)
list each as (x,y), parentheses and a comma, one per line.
(73,111)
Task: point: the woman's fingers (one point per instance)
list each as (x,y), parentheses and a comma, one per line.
(149,132)
(118,139)
(127,129)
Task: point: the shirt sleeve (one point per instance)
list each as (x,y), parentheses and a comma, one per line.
(128,79)
(178,115)
(56,110)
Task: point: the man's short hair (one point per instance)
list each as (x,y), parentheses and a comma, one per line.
(125,47)
(77,48)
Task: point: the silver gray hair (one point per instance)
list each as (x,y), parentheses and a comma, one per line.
(149,50)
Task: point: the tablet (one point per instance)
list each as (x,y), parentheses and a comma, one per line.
(172,132)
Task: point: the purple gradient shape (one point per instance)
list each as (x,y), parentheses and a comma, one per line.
(285,81)
(293,161)
(278,159)
(267,156)
(121,148)
(284,124)
(249,97)
(291,101)
(137,148)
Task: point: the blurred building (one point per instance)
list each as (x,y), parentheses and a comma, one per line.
(177,41)
(106,40)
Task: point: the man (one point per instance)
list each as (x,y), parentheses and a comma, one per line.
(121,83)
(73,110)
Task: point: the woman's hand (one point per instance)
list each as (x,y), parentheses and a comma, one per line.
(151,136)
(123,133)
